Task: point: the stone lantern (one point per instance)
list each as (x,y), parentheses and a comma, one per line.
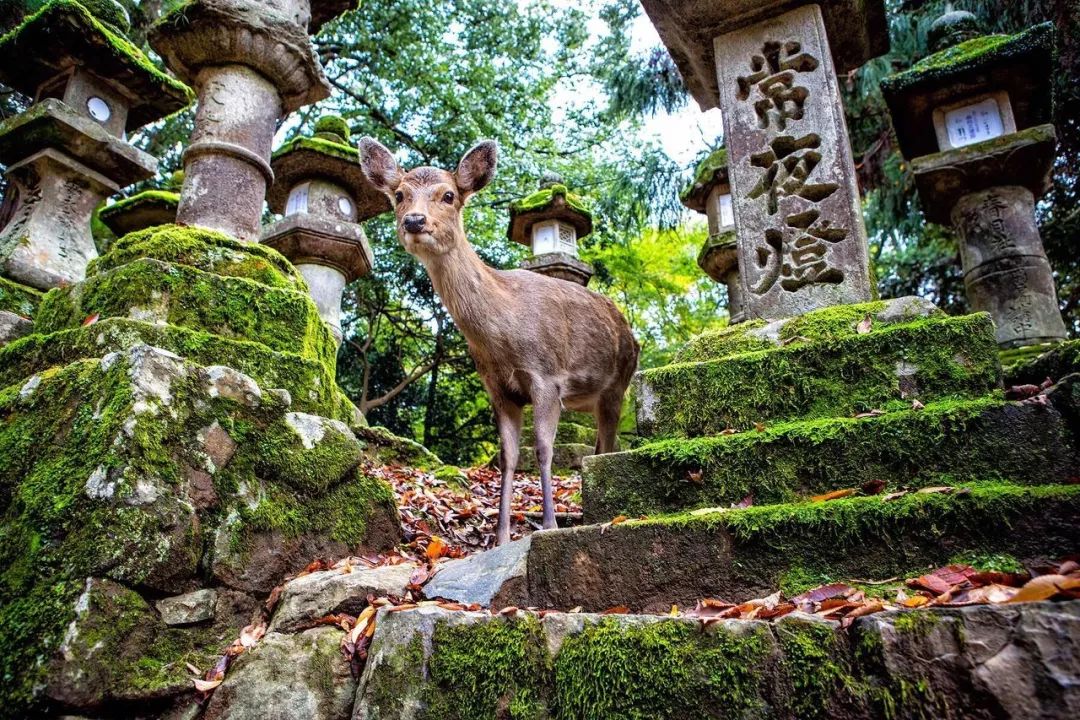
(67,152)
(147,209)
(251,63)
(551,221)
(771,66)
(973,119)
(323,195)
(710,193)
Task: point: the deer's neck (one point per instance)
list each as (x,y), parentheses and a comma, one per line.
(468,288)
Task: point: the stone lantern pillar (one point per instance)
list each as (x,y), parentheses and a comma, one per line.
(251,63)
(147,209)
(324,195)
(551,221)
(973,120)
(771,66)
(710,193)
(67,152)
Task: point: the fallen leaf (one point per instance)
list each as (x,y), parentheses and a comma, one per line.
(916,405)
(619,519)
(760,427)
(695,476)
(915,601)
(1022,392)
(617,610)
(746,502)
(1044,587)
(940,489)
(873,487)
(90,320)
(870,414)
(206,685)
(865,325)
(834,495)
(436,548)
(250,635)
(822,593)
(894,496)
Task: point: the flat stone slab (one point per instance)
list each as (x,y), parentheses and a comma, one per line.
(13,327)
(188,608)
(496,578)
(961,441)
(313,596)
(744,553)
(818,373)
(1019,660)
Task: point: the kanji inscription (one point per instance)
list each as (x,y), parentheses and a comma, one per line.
(801,239)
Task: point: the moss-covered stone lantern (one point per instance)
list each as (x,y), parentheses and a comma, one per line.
(710,194)
(67,153)
(973,119)
(323,195)
(551,221)
(146,209)
(251,63)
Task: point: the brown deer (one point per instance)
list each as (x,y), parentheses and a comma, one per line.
(534,339)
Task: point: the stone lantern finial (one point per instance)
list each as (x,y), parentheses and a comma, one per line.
(710,193)
(953,28)
(67,153)
(551,221)
(324,195)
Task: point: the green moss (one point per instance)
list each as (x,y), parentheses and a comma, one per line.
(146,197)
(1043,362)
(817,667)
(320,145)
(333,125)
(916,622)
(731,340)
(475,670)
(976,54)
(544,198)
(661,670)
(284,456)
(386,448)
(928,358)
(712,169)
(948,441)
(19,299)
(989,562)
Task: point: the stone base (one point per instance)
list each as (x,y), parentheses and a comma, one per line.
(819,365)
(562,266)
(931,663)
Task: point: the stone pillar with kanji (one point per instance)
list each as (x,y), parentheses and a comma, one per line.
(324,196)
(974,120)
(710,193)
(251,63)
(772,69)
(551,221)
(68,152)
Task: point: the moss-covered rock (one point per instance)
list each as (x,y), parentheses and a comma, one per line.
(958,441)
(19,299)
(835,372)
(308,452)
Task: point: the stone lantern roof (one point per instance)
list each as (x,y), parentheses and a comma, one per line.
(323,11)
(327,154)
(1021,65)
(719,256)
(148,208)
(711,172)
(195,35)
(65,35)
(856,29)
(551,202)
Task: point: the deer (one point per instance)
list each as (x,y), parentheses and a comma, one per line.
(534,339)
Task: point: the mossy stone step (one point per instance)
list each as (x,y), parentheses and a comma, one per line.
(282,319)
(310,383)
(19,299)
(929,358)
(1033,365)
(737,554)
(958,440)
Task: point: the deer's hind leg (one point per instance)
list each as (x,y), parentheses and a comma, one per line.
(508,422)
(547,407)
(608,411)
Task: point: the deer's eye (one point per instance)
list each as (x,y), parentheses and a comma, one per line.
(448,198)
(398,196)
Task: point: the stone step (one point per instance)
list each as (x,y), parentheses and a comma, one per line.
(844,374)
(956,440)
(1033,365)
(310,383)
(566,458)
(734,554)
(1015,660)
(282,319)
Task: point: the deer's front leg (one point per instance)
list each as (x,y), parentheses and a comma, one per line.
(508,422)
(547,406)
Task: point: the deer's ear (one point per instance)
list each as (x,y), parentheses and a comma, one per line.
(379,166)
(477,168)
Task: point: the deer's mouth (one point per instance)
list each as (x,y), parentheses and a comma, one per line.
(423,239)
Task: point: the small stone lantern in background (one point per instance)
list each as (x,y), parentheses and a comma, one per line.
(144,210)
(551,221)
(67,152)
(324,195)
(973,119)
(710,193)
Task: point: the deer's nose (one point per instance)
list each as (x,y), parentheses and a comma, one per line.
(414,222)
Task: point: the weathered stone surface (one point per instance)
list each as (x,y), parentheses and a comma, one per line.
(856,29)
(13,327)
(333,170)
(316,595)
(287,677)
(308,452)
(141,211)
(1003,662)
(563,266)
(748,553)
(802,243)
(1006,272)
(963,441)
(564,456)
(496,578)
(189,608)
